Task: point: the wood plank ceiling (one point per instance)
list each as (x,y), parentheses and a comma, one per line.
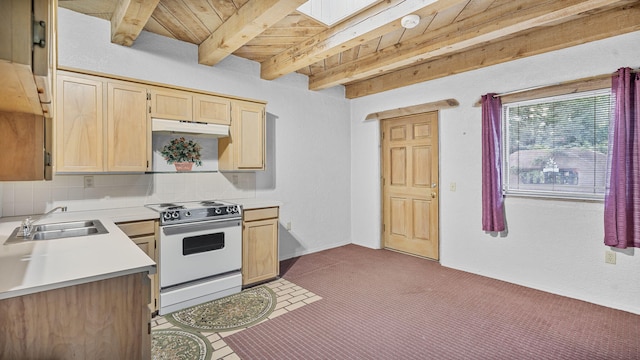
(369,52)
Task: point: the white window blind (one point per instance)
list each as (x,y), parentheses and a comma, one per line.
(557,147)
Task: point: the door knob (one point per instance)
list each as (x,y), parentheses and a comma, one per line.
(433,195)
(433,185)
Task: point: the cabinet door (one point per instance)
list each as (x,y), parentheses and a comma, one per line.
(142,233)
(211,109)
(126,127)
(79,126)
(147,244)
(260,251)
(171,104)
(249,135)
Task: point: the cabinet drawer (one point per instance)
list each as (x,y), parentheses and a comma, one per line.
(259,214)
(136,228)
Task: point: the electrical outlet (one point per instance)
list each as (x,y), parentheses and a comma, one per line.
(610,257)
(88,182)
(289,225)
(452,186)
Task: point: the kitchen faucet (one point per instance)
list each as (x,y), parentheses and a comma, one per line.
(27,224)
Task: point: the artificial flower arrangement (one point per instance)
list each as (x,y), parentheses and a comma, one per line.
(181,150)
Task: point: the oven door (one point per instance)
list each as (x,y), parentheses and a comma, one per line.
(198,250)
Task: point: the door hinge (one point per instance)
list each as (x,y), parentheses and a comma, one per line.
(149,109)
(148,96)
(148,328)
(382,135)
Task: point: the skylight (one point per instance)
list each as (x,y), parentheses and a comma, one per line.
(330,12)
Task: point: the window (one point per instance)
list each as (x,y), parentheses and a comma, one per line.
(557,146)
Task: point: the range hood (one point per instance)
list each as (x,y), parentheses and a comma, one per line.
(187,127)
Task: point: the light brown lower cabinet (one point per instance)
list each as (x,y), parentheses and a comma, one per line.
(143,233)
(106,319)
(260,245)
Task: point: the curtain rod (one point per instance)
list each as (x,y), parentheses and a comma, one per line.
(548,85)
(584,84)
(525,89)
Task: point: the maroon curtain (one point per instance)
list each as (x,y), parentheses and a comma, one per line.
(492,201)
(622,198)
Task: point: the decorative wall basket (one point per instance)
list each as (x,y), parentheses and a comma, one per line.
(183,166)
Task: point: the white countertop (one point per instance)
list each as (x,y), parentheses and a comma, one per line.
(35,266)
(253,203)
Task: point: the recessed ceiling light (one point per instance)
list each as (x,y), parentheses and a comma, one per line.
(410,21)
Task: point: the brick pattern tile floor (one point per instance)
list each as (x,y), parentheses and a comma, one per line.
(289,297)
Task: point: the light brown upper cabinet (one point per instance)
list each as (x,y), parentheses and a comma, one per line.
(79,131)
(126,127)
(245,148)
(211,109)
(171,104)
(101,125)
(187,106)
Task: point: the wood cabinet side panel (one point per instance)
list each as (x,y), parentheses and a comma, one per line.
(105,319)
(15,31)
(22,155)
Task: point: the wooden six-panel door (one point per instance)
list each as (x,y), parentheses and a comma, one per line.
(410,184)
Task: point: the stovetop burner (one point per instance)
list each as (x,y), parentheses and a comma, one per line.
(192,211)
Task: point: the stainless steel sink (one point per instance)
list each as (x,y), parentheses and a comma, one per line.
(65,225)
(59,231)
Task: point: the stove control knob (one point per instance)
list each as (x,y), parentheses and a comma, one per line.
(218,211)
(167,216)
(231,209)
(175,215)
(187,214)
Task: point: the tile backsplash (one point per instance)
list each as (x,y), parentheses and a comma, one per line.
(116,191)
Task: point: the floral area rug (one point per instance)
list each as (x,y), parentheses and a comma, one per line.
(178,344)
(229,313)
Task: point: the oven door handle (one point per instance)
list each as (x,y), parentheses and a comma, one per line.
(198,226)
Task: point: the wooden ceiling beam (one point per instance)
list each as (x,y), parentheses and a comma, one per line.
(128,19)
(249,21)
(370,24)
(511,18)
(595,27)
